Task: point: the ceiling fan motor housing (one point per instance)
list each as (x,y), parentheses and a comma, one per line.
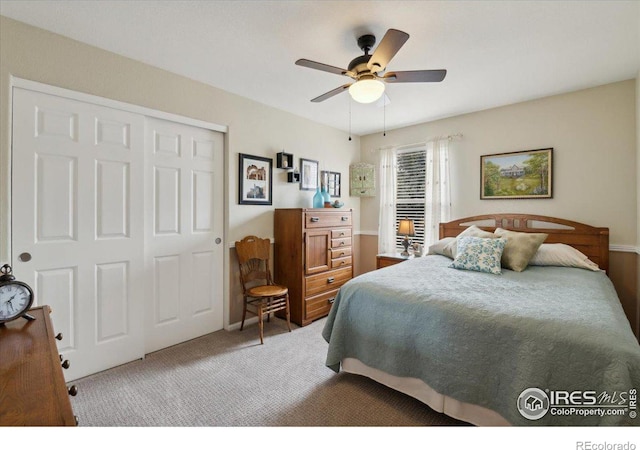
(359,65)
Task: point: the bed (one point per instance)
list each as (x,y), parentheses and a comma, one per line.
(547,345)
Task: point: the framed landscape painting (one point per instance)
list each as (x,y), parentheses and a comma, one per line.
(254,180)
(517,175)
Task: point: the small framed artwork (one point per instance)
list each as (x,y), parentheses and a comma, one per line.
(255,180)
(308,174)
(331,182)
(517,175)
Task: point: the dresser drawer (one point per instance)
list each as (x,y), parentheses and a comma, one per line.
(340,233)
(332,279)
(319,305)
(341,262)
(324,219)
(340,252)
(342,242)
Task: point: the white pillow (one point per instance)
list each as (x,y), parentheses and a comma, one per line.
(442,247)
(562,255)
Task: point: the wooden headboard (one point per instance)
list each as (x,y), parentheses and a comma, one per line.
(592,241)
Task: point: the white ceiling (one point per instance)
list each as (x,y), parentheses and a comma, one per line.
(495,52)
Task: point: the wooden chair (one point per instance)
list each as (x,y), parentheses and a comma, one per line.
(261,296)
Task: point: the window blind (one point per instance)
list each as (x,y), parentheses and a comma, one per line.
(410,191)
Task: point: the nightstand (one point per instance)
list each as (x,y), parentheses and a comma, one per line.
(389,259)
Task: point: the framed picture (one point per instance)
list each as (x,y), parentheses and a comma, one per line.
(255,180)
(308,174)
(331,182)
(517,175)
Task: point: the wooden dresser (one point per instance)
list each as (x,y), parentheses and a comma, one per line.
(313,257)
(32,387)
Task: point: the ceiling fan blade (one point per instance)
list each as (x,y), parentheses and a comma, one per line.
(324,67)
(415,76)
(392,41)
(331,93)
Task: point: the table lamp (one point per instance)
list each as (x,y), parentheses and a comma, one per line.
(406,229)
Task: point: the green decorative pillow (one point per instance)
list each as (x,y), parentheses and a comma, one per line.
(520,248)
(479,254)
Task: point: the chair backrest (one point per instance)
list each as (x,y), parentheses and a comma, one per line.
(253,259)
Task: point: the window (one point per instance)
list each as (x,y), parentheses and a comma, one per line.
(414,183)
(410,191)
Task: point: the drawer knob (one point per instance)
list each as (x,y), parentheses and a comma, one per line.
(341,234)
(331,300)
(342,263)
(330,280)
(344,218)
(66,364)
(73,391)
(315,219)
(77,420)
(59,336)
(342,254)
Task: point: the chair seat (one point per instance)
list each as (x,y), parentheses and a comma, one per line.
(269,290)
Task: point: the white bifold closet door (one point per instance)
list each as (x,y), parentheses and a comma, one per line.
(114,222)
(183,230)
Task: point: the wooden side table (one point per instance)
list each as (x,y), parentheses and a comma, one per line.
(389,259)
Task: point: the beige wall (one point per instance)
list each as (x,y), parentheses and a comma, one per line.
(596,172)
(34,54)
(593,134)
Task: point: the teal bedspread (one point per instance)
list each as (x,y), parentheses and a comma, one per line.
(483,339)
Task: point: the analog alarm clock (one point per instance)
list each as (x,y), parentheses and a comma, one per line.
(16,297)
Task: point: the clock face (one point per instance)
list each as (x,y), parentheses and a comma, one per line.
(15,299)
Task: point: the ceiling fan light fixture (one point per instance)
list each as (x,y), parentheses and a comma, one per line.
(366,91)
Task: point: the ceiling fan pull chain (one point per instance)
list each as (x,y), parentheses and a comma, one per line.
(349,118)
(384,117)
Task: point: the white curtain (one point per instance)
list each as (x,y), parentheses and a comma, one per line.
(438,189)
(387,215)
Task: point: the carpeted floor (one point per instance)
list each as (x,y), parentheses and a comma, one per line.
(228,379)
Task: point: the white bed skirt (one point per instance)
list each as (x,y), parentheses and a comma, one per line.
(473,414)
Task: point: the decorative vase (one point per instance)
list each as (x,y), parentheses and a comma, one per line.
(318,199)
(326,198)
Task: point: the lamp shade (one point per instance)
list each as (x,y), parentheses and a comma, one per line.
(406,228)
(366,91)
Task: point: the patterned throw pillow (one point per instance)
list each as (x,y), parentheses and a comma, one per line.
(479,254)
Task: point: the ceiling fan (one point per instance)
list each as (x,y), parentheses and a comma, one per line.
(369,70)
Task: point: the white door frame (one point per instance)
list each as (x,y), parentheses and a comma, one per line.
(5,207)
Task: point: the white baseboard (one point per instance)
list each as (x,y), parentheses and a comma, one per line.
(236,326)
